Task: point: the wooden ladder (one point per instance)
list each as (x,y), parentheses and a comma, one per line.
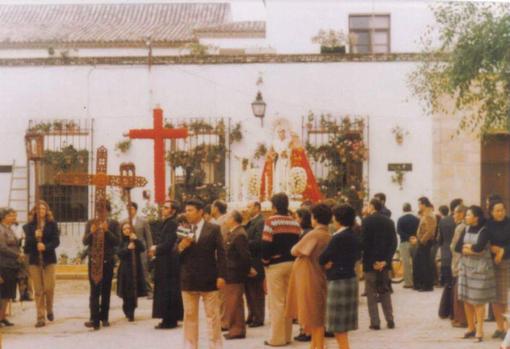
(18,193)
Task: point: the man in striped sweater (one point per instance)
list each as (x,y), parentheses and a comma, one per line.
(281,233)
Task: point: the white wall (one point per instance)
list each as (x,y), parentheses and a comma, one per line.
(122,97)
(291,25)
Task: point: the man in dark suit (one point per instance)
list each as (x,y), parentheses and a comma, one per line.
(238,266)
(384,210)
(203,270)
(407,225)
(379,242)
(254,286)
(101,278)
(167,304)
(446,229)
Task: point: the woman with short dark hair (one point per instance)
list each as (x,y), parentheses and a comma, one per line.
(10,257)
(498,227)
(306,299)
(304,218)
(339,260)
(477,285)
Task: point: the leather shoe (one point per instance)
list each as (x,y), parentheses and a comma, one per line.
(469,334)
(229,337)
(91,324)
(303,338)
(329,334)
(162,326)
(50,317)
(39,324)
(458,324)
(391,324)
(7,323)
(106,323)
(498,334)
(223,329)
(375,327)
(255,324)
(266,343)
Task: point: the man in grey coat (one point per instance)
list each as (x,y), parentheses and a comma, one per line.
(447,227)
(144,234)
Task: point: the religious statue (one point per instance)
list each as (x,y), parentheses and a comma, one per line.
(298,158)
(284,154)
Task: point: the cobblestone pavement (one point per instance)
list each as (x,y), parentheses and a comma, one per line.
(418,327)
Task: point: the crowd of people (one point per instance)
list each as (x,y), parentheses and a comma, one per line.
(467,252)
(308,263)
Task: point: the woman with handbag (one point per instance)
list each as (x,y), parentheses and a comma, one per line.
(10,259)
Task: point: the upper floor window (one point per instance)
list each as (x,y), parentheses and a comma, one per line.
(372,33)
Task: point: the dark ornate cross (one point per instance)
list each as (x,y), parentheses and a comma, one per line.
(100,180)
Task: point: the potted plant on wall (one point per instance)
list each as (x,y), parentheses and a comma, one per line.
(331,41)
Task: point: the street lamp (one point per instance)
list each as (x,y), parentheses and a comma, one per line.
(34,144)
(258,107)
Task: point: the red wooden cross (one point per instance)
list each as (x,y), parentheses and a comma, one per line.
(159,133)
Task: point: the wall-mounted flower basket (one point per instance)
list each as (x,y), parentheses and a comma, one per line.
(123,146)
(333,50)
(398,178)
(399,134)
(331,41)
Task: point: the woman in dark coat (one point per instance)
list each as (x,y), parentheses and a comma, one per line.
(167,292)
(339,260)
(498,227)
(127,288)
(45,241)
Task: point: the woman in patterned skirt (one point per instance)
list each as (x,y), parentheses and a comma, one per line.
(339,260)
(477,285)
(498,227)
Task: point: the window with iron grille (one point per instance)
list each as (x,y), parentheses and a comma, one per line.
(67,149)
(371,32)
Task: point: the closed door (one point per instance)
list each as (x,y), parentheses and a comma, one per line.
(496,167)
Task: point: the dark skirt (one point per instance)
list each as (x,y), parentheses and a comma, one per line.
(446,302)
(423,268)
(342,305)
(502,271)
(8,288)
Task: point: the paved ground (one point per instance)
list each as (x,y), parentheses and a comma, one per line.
(418,327)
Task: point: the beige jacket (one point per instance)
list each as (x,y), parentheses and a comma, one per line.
(427,228)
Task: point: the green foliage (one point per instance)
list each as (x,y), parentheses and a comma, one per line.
(63,126)
(67,158)
(471,67)
(343,154)
(194,160)
(123,146)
